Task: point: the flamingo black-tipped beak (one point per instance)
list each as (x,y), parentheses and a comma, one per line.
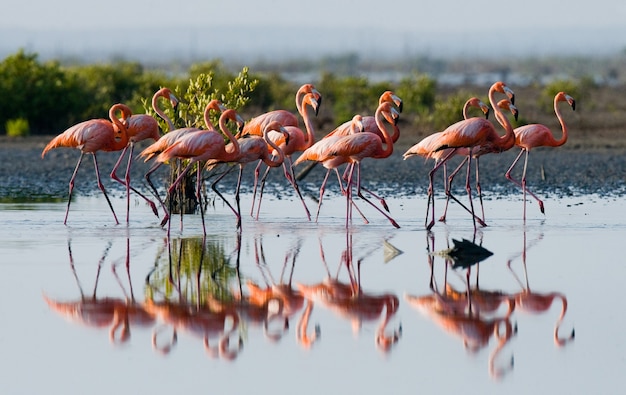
(509,93)
(398,103)
(573,104)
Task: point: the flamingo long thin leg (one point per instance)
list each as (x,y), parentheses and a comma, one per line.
(100,186)
(291,179)
(450,195)
(126,181)
(431,197)
(468,187)
(289,176)
(523,183)
(214,187)
(380,199)
(360,194)
(71,185)
(257,171)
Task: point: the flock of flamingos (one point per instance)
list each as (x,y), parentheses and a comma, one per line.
(273,137)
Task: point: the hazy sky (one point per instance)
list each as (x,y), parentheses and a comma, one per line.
(504,28)
(403,14)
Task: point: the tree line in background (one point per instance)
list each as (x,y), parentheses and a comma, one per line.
(45,98)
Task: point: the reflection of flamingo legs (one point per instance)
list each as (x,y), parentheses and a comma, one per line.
(537,303)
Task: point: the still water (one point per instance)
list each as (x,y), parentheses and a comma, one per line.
(293,306)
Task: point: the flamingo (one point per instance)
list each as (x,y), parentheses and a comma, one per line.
(252,148)
(256,125)
(536,135)
(202,146)
(369,125)
(201,322)
(320,148)
(349,301)
(298,141)
(426,147)
(505,105)
(533,302)
(169,139)
(474,330)
(90,137)
(472,133)
(143,127)
(356,147)
(369,122)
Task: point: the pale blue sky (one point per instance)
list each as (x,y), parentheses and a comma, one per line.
(402,26)
(405,14)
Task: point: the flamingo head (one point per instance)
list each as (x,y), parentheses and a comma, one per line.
(507,105)
(562,96)
(389,96)
(502,88)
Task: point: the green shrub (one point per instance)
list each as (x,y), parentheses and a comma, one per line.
(17,127)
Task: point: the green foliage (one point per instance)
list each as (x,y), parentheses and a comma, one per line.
(194,98)
(102,85)
(40,93)
(349,96)
(546,99)
(418,92)
(17,127)
(449,111)
(202,269)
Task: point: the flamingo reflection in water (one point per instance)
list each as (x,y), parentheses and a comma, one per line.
(532,302)
(349,301)
(191,310)
(473,316)
(203,322)
(117,314)
(258,307)
(289,299)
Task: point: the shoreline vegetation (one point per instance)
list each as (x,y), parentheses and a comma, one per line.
(592,161)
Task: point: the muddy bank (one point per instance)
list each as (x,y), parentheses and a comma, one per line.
(565,170)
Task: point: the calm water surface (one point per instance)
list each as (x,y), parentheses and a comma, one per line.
(97,308)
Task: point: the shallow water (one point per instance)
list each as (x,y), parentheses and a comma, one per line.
(130,277)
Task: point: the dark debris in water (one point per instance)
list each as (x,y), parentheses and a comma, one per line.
(466,253)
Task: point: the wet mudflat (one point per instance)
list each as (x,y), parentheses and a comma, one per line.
(94,307)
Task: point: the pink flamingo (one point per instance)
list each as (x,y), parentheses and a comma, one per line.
(505,105)
(321,147)
(536,135)
(202,146)
(426,147)
(252,148)
(472,133)
(354,148)
(90,137)
(369,122)
(169,139)
(143,127)
(297,141)
(370,126)
(256,125)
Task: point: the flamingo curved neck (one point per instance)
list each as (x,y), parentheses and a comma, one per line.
(268,160)
(234,154)
(508,139)
(563,138)
(310,130)
(116,144)
(388,139)
(159,111)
